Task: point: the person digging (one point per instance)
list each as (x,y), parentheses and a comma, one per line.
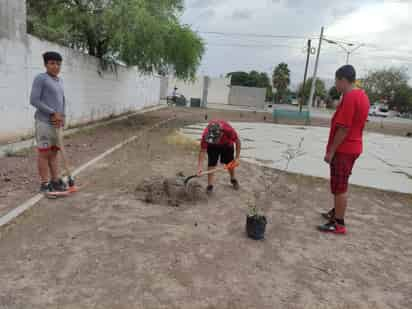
(345,144)
(47,96)
(218,141)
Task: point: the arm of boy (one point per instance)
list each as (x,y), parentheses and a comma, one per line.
(36,97)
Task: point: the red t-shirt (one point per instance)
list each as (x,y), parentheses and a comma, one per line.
(351,113)
(229,136)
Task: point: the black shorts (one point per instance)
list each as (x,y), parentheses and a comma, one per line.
(225,153)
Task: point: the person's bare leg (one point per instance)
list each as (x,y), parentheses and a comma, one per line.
(232,174)
(53,165)
(43,166)
(341,202)
(211,177)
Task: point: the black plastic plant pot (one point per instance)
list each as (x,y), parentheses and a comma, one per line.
(256,227)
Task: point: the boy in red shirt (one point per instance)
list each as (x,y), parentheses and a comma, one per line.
(345,144)
(218,140)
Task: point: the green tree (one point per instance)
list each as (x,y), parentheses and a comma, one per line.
(383,84)
(402,99)
(333,93)
(239,78)
(281,80)
(145,33)
(251,79)
(320,89)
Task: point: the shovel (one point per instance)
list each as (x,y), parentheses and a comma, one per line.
(70,179)
(230,166)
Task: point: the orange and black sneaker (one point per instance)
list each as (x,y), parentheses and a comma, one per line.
(45,187)
(332,227)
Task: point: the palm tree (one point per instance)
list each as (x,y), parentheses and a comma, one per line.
(281,80)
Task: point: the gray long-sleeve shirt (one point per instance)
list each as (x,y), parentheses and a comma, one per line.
(47,96)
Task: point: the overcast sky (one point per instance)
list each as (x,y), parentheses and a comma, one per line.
(385,26)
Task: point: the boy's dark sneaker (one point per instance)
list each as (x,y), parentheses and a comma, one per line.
(58,186)
(332,227)
(330,215)
(235,184)
(45,187)
(209,189)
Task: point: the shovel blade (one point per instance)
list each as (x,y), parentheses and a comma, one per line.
(189,178)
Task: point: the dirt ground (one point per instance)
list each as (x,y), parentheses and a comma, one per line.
(105,247)
(18,173)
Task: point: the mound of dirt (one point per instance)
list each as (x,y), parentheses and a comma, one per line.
(170,191)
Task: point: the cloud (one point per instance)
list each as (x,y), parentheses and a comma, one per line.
(371,19)
(342,11)
(242,14)
(293,3)
(384,25)
(201,4)
(207,14)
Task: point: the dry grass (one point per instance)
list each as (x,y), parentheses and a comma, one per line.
(178,139)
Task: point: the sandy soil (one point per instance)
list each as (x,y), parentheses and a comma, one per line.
(106,248)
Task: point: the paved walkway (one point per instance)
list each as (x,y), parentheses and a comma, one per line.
(386,163)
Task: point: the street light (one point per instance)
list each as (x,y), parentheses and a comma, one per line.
(347,51)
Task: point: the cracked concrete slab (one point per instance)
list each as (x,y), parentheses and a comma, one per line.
(385,164)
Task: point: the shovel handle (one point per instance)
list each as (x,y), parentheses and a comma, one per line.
(59,132)
(230,166)
(212,171)
(203,174)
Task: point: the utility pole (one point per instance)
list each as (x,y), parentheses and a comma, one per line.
(312,89)
(306,75)
(351,52)
(205,93)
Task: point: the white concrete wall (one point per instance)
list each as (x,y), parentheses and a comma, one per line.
(219,89)
(164,87)
(247,96)
(90,95)
(190,89)
(13,19)
(13,63)
(218,92)
(15,118)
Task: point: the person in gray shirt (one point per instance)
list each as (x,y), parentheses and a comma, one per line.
(47,96)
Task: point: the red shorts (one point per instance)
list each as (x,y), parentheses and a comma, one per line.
(340,171)
(47,149)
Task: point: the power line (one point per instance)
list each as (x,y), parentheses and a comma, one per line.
(385,57)
(254,45)
(301,37)
(256,35)
(399,58)
(244,40)
(274,36)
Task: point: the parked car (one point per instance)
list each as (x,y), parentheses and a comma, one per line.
(294,101)
(177,99)
(405,115)
(379,110)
